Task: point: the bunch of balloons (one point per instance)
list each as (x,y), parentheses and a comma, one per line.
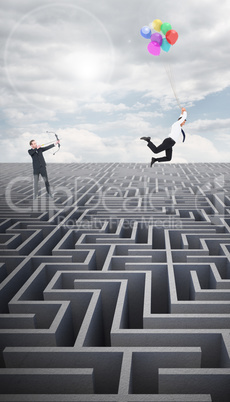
(157,41)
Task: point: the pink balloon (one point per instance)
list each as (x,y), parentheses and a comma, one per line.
(156,37)
(154,48)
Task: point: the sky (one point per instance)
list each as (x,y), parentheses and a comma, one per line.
(81,69)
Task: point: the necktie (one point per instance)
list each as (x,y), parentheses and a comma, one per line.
(183,133)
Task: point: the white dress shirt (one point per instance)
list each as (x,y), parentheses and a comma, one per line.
(176,127)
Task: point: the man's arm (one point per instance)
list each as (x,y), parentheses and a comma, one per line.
(43,149)
(183,115)
(32,151)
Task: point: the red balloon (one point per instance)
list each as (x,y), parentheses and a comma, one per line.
(171,36)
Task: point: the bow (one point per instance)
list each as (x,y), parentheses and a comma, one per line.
(59,145)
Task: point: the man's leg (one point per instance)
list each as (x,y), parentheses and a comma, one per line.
(36,177)
(167,157)
(45,178)
(152,146)
(167,143)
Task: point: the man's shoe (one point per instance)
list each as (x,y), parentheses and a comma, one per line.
(145,138)
(153,160)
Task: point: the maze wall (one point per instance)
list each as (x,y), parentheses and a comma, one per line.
(119,288)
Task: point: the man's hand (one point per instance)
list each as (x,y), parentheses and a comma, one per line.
(38,146)
(183,109)
(57,142)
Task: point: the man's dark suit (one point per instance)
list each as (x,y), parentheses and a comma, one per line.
(39,167)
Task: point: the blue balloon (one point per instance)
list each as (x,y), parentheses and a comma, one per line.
(146,32)
(165,45)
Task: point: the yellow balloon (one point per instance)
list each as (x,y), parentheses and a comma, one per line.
(157,25)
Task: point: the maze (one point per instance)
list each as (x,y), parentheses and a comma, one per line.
(119,288)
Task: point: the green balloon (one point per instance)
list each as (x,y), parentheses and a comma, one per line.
(165,27)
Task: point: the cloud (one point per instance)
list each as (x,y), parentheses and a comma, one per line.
(18,115)
(90,147)
(52,57)
(128,124)
(225,138)
(102,106)
(209,125)
(48,61)
(70,63)
(106,107)
(81,145)
(199,149)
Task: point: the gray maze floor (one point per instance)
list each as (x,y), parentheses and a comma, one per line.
(119,289)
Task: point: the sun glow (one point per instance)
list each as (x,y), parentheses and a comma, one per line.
(89,66)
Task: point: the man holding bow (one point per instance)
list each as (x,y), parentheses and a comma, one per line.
(39,165)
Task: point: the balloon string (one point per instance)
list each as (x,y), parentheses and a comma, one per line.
(172,82)
(173,86)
